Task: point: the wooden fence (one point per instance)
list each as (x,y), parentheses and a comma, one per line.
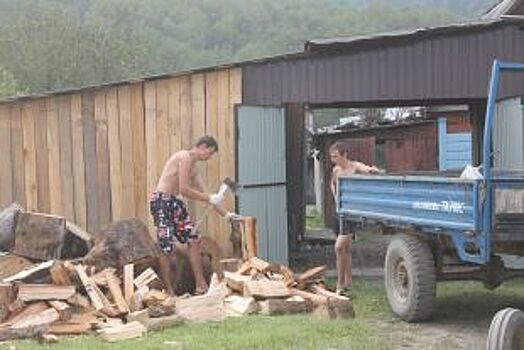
(95,156)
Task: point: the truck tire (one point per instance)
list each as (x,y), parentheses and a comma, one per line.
(410,278)
(506,331)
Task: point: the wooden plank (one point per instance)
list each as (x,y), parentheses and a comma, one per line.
(150,128)
(6,174)
(115,162)
(28,125)
(114,287)
(17,153)
(126,147)
(129,289)
(139,151)
(42,158)
(66,157)
(213,165)
(102,159)
(53,144)
(77,137)
(35,292)
(91,164)
(266,289)
(162,127)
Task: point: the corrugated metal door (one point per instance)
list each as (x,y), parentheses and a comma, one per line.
(455,149)
(508,131)
(261,154)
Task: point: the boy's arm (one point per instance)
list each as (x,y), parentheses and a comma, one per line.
(184,178)
(366,169)
(333,184)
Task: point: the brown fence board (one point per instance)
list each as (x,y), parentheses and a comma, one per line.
(42,158)
(126,148)
(6,176)
(66,157)
(17,153)
(91,164)
(115,169)
(139,151)
(77,138)
(175,131)
(213,165)
(150,123)
(102,159)
(163,139)
(28,125)
(53,144)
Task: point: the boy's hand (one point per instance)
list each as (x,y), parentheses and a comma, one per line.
(373,170)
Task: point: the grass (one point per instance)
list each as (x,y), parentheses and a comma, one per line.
(458,304)
(314,219)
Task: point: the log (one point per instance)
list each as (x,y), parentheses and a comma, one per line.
(236,281)
(78,324)
(80,301)
(10,265)
(30,271)
(145,278)
(28,311)
(266,289)
(314,298)
(201,309)
(289,276)
(328,294)
(273,307)
(244,269)
(43,318)
(7,297)
(165,308)
(61,275)
(34,292)
(156,324)
(335,308)
(39,236)
(240,306)
(251,237)
(79,232)
(47,338)
(63,309)
(92,290)
(154,296)
(230,265)
(7,226)
(259,264)
(311,274)
(141,316)
(126,331)
(100,278)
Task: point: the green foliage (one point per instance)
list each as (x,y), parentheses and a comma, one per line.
(59,44)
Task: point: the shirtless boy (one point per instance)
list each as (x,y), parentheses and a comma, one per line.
(343,166)
(173,223)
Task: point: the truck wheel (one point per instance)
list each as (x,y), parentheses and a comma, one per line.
(410,278)
(506,331)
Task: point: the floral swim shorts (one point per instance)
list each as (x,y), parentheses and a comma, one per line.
(172,222)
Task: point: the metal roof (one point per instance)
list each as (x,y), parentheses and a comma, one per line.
(505,7)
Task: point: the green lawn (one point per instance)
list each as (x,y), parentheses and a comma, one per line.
(458,303)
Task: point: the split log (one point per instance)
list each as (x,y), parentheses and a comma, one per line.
(7,297)
(230,265)
(244,269)
(28,311)
(91,289)
(145,278)
(236,281)
(114,288)
(80,301)
(154,296)
(328,294)
(259,264)
(39,236)
(284,307)
(60,274)
(289,276)
(201,309)
(78,324)
(33,292)
(266,289)
(165,308)
(314,298)
(26,327)
(63,309)
(335,308)
(251,237)
(311,274)
(141,316)
(129,289)
(240,306)
(127,331)
(47,338)
(100,278)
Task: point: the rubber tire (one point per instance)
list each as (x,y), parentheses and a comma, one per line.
(506,324)
(417,259)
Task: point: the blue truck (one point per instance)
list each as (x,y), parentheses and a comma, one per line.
(443,228)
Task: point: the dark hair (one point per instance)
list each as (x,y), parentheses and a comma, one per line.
(341,147)
(209,141)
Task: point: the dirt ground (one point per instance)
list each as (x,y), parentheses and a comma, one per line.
(463,312)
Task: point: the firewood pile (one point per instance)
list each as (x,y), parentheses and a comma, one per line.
(56,279)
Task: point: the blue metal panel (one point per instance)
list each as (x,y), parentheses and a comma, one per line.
(262,173)
(508,135)
(455,150)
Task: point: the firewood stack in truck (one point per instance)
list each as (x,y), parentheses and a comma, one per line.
(56,279)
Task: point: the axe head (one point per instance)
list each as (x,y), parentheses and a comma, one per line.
(232,185)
